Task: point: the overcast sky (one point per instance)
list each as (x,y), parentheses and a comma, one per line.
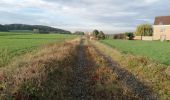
(106,15)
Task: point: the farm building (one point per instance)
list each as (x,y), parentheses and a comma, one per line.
(161,28)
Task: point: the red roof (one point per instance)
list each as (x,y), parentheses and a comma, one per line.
(162,20)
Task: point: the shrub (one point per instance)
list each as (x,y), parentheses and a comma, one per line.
(130,35)
(101,35)
(95,33)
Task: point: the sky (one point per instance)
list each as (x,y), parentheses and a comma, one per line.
(111,16)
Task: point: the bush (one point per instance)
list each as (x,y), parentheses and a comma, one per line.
(130,35)
(101,35)
(95,33)
(98,35)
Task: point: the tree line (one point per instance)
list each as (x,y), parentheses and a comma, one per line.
(98,34)
(95,34)
(40,28)
(141,30)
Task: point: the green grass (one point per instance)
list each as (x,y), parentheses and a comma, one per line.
(155,50)
(14,44)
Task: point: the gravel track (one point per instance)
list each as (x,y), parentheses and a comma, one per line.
(80,86)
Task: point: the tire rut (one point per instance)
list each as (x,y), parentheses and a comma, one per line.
(79,89)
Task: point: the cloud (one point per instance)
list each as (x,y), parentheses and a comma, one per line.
(109,15)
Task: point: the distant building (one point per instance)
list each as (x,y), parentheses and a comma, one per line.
(36,31)
(161,28)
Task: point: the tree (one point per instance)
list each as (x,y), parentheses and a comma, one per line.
(95,33)
(3,28)
(144,30)
(101,35)
(130,35)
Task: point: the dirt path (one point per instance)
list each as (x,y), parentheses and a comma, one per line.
(128,80)
(80,86)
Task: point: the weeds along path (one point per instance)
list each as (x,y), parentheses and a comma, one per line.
(127,79)
(46,75)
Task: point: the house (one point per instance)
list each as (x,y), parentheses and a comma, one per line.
(161,28)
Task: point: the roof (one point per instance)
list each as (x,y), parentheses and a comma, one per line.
(162,20)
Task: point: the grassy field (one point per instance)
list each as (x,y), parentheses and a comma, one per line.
(155,50)
(14,44)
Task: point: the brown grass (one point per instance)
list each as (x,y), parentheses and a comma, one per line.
(33,75)
(151,74)
(105,83)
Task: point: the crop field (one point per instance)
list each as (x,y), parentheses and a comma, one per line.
(14,44)
(155,50)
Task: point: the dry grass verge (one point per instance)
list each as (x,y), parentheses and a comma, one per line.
(151,74)
(104,83)
(45,75)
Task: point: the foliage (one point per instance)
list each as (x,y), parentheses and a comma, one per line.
(3,28)
(101,35)
(130,35)
(144,30)
(95,33)
(98,35)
